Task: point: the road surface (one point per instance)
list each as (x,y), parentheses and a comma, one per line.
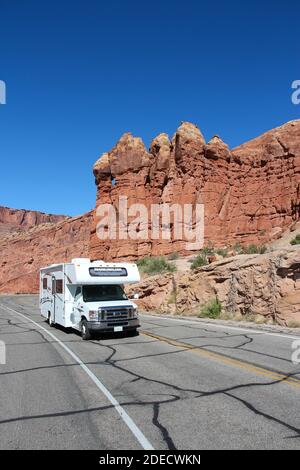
(179,385)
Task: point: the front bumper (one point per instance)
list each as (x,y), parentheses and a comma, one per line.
(108,327)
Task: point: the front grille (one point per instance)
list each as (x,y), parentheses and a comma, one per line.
(116,316)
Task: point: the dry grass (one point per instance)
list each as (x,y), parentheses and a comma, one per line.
(258,319)
(231,316)
(293,324)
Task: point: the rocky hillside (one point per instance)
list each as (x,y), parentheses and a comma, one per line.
(23,254)
(16,220)
(251,193)
(267,285)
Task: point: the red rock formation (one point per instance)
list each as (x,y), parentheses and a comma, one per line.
(251,194)
(23,254)
(267,285)
(12,220)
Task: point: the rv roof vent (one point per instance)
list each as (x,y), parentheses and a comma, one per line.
(80,260)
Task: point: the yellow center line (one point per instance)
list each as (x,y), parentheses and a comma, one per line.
(226,360)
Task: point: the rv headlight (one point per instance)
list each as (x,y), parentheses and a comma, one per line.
(132,312)
(93,315)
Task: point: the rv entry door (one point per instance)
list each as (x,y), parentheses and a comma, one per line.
(53,299)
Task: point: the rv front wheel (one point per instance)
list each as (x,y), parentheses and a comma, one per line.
(133,333)
(85,332)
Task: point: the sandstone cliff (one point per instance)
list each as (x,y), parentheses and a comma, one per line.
(23,254)
(251,193)
(16,220)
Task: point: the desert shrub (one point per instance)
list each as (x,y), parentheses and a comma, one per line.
(202,258)
(198,261)
(293,324)
(222,252)
(238,248)
(260,319)
(173,256)
(172,298)
(255,249)
(211,309)
(155,265)
(207,250)
(296,240)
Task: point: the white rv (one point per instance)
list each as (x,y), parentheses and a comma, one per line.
(89,296)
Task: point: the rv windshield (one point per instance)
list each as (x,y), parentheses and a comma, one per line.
(103,293)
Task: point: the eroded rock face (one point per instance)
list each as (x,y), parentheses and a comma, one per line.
(23,254)
(12,220)
(251,193)
(267,285)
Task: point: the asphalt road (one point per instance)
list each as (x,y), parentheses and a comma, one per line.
(179,385)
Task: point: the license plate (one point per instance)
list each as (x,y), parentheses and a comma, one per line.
(118,328)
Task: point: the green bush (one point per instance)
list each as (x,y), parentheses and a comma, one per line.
(211,309)
(254,249)
(250,249)
(155,265)
(207,250)
(222,252)
(200,260)
(238,249)
(296,240)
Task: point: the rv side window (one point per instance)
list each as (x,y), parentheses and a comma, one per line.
(45,283)
(59,286)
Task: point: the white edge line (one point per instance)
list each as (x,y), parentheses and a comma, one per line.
(213,325)
(125,417)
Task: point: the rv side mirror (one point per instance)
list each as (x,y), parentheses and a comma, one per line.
(133,296)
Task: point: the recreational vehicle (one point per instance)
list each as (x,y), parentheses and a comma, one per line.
(89,296)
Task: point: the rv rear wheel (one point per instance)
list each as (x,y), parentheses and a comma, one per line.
(85,332)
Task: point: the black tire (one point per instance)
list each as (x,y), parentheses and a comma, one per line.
(85,331)
(51,323)
(132,333)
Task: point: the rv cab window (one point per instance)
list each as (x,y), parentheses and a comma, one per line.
(100,293)
(78,292)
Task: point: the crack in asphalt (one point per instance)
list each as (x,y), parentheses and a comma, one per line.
(27,329)
(265,415)
(228,336)
(181,392)
(164,431)
(201,393)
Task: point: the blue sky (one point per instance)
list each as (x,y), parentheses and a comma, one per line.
(79,74)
